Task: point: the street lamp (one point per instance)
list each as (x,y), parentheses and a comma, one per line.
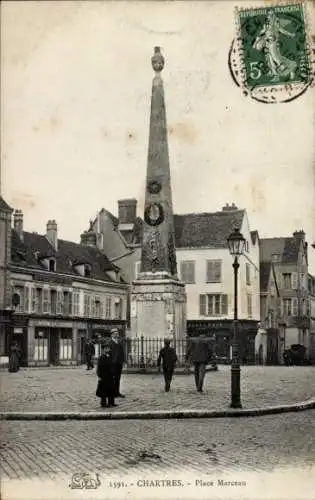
(236,243)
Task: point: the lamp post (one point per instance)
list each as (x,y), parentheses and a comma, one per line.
(236,243)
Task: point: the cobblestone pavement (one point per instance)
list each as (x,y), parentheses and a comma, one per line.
(55,450)
(73,389)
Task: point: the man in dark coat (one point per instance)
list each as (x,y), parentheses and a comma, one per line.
(105,372)
(14,358)
(168,357)
(118,360)
(89,353)
(200,354)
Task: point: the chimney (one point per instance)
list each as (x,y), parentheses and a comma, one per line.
(51,233)
(127,211)
(300,235)
(88,238)
(229,208)
(18,223)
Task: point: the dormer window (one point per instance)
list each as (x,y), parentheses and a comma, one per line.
(48,262)
(52,265)
(83,268)
(87,270)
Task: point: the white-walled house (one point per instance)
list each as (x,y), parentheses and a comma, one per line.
(204,264)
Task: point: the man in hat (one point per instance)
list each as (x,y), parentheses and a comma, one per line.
(200,354)
(118,360)
(106,384)
(168,357)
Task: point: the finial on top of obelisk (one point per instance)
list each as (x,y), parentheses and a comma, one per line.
(157,60)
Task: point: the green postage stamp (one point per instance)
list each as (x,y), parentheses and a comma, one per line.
(273,48)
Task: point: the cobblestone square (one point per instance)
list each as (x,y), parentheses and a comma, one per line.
(73,389)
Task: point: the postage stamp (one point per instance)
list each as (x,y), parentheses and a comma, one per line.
(273,51)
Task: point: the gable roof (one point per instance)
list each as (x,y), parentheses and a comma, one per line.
(195,229)
(287,249)
(4,206)
(23,253)
(206,229)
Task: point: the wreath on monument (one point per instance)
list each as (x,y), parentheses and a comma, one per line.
(154,214)
(154,187)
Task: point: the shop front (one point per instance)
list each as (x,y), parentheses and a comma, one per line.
(223,331)
(51,343)
(18,334)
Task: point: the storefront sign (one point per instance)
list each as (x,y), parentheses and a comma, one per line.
(52,279)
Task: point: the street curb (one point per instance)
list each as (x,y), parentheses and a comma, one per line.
(159,415)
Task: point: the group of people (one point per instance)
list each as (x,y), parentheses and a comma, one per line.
(199,353)
(110,365)
(109,368)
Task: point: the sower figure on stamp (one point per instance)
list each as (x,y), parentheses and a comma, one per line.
(118,360)
(200,354)
(89,353)
(168,357)
(105,372)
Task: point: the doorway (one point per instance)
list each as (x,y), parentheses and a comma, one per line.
(53,349)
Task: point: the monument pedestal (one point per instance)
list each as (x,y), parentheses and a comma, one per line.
(158,307)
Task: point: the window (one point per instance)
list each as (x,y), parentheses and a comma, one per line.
(249,306)
(87,305)
(213,305)
(287,280)
(53,301)
(287,307)
(46,302)
(76,304)
(97,306)
(187,271)
(87,270)
(26,299)
(214,271)
(108,307)
(67,296)
(52,265)
(118,308)
(247,274)
(20,291)
(137,268)
(60,302)
(39,300)
(33,300)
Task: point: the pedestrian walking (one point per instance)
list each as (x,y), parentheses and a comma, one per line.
(14,358)
(105,372)
(200,354)
(168,357)
(118,360)
(89,353)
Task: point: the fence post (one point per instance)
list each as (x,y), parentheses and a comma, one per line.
(142,365)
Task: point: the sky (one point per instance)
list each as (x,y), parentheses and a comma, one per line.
(75,91)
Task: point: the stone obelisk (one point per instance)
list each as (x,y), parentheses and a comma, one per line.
(158,299)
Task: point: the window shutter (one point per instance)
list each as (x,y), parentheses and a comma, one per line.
(295,307)
(202,305)
(294,281)
(224,304)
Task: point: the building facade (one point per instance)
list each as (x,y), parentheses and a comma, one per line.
(289,257)
(311,310)
(269,343)
(5,250)
(67,292)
